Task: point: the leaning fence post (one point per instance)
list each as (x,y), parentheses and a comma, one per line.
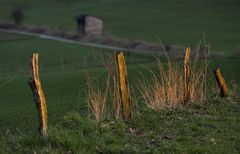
(186,67)
(123,84)
(221,82)
(39,98)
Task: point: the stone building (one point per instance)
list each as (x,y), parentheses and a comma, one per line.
(89,25)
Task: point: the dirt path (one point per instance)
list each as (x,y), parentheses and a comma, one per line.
(177,51)
(43,36)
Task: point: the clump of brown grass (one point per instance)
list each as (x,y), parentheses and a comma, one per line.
(97,100)
(165,89)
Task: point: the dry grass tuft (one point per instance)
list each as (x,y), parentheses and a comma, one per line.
(97,100)
(165,89)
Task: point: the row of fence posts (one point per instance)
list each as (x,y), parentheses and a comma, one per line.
(40,101)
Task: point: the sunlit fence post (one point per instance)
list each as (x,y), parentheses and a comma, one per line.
(123,83)
(221,82)
(39,98)
(186,67)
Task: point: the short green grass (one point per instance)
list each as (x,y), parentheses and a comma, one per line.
(174,22)
(199,128)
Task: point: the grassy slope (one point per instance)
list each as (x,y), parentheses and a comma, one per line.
(208,128)
(64,86)
(175,22)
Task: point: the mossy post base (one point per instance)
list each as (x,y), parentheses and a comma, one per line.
(221,82)
(123,84)
(39,98)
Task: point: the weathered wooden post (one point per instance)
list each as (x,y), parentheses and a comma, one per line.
(221,82)
(117,103)
(186,67)
(123,84)
(39,98)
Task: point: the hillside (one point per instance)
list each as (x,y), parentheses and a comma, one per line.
(174,22)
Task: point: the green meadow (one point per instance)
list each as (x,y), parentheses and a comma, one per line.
(63,68)
(208,127)
(173,22)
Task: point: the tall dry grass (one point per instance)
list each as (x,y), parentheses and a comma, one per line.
(100,100)
(97,100)
(165,88)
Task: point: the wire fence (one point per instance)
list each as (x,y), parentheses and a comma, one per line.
(25,69)
(13,77)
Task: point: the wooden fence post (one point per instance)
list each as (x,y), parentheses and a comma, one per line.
(186,67)
(221,82)
(39,98)
(123,84)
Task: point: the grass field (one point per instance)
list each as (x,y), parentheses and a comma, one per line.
(201,127)
(209,127)
(174,22)
(63,66)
